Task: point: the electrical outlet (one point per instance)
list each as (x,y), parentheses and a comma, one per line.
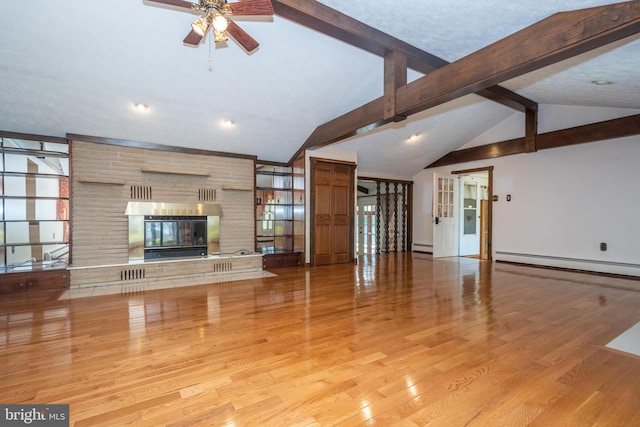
(603,246)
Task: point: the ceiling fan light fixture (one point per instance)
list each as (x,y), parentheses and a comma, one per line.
(219,22)
(219,36)
(200,26)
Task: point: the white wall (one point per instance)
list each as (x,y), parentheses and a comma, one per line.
(565,201)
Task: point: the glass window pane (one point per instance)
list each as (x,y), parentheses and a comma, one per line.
(56,252)
(52,231)
(169,233)
(15,209)
(22,143)
(47,187)
(152,235)
(15,186)
(62,210)
(469,221)
(51,165)
(54,146)
(264,181)
(19,258)
(16,162)
(24,163)
(17,232)
(45,210)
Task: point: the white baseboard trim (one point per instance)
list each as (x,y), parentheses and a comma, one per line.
(423,247)
(611,267)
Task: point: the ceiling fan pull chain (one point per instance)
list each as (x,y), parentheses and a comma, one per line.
(209,54)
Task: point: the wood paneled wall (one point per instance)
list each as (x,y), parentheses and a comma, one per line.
(105,177)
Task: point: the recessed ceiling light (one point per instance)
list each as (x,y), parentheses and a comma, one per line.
(601,82)
(140,107)
(414,137)
(228,123)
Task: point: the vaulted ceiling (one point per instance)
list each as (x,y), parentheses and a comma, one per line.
(77,67)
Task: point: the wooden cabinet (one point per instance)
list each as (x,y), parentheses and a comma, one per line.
(33,281)
(288,259)
(13,283)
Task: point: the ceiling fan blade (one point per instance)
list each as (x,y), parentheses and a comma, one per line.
(193,39)
(176,3)
(252,7)
(241,37)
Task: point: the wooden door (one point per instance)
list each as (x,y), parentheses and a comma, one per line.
(332,206)
(484,229)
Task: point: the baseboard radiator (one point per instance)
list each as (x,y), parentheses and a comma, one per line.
(423,247)
(598,266)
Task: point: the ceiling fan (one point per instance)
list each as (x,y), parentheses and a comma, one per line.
(215,15)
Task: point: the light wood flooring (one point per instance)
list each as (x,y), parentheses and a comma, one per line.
(394,340)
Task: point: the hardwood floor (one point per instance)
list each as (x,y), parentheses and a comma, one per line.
(397,339)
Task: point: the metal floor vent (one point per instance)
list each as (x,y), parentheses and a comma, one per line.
(222,266)
(132,274)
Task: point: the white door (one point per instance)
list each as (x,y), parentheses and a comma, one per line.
(470,216)
(366,226)
(445,222)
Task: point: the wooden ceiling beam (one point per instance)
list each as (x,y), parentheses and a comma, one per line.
(531,131)
(329,21)
(601,131)
(360,120)
(395,76)
(335,24)
(554,39)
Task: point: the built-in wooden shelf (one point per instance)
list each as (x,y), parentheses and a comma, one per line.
(101,180)
(175,171)
(237,187)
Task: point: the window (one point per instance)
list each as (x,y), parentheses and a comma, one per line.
(34,205)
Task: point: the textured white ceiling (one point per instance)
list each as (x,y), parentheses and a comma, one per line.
(76,66)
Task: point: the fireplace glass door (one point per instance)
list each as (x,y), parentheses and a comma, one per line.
(174,236)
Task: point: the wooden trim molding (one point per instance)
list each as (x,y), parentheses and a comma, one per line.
(237,187)
(472,170)
(100,180)
(154,146)
(174,171)
(313,160)
(33,137)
